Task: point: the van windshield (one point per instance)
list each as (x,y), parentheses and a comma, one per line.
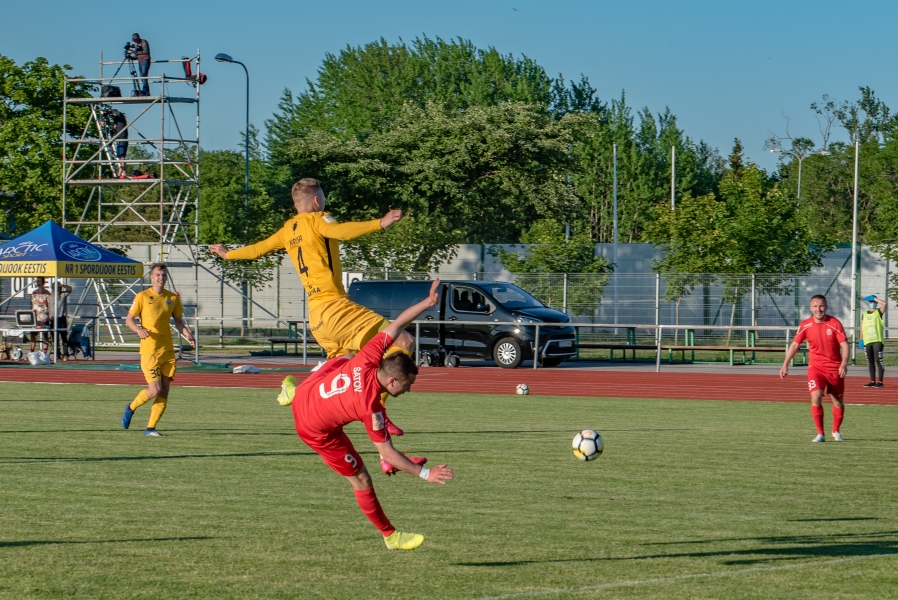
(512,297)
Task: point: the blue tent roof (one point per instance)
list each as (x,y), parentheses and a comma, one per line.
(51,251)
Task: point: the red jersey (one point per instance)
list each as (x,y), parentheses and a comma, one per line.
(344,391)
(824,341)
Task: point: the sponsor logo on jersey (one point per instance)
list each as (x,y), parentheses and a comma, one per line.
(377,421)
(829,332)
(296,241)
(329,219)
(168,302)
(317,326)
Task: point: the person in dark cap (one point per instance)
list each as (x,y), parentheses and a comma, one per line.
(140,51)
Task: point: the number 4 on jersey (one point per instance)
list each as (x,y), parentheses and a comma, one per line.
(303,269)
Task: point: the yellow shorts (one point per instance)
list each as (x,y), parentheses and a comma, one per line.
(341,326)
(157,366)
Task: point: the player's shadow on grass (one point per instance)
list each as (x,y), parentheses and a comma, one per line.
(752,556)
(128,541)
(833,519)
(50,459)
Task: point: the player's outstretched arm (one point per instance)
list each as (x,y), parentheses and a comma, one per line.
(790,354)
(413,312)
(219,250)
(356,229)
(438,474)
(251,252)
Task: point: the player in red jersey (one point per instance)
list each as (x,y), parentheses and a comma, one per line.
(828,353)
(348,389)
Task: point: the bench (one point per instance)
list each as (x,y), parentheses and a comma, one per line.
(682,349)
(612,347)
(731,349)
(284,339)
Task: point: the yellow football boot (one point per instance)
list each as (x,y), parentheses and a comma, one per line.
(288,386)
(403,541)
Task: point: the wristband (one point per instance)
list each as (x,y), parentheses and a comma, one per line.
(424,473)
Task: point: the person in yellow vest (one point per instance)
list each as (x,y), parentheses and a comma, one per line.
(155,307)
(873,337)
(339,325)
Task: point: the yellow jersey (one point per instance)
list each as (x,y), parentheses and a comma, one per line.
(311,241)
(155,311)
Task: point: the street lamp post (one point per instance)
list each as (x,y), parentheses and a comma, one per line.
(614,228)
(227,58)
(221,57)
(800,156)
(857,151)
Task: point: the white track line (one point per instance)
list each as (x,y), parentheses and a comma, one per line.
(618,584)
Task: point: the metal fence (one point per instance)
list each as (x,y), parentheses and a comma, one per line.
(703,302)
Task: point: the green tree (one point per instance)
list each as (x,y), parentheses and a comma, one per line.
(643,166)
(753,226)
(552,254)
(479,175)
(31,106)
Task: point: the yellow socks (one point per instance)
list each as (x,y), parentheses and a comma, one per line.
(140,400)
(156,412)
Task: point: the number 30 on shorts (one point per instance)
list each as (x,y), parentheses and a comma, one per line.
(811,385)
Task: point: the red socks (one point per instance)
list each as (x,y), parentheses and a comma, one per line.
(837,417)
(371,507)
(817,414)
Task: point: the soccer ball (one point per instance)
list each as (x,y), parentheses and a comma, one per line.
(522,389)
(588,445)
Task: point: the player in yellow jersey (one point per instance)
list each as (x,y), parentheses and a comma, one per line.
(154,307)
(339,325)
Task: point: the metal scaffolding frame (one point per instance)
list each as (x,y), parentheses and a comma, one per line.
(162,208)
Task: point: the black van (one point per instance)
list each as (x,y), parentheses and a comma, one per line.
(488,303)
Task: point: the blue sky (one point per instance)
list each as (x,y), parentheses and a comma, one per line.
(726,69)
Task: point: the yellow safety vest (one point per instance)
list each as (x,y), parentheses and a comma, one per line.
(871,327)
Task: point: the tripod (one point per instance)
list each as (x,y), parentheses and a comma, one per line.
(135,82)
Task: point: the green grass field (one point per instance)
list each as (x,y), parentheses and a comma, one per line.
(690,500)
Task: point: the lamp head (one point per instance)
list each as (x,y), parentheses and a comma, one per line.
(774,150)
(221,57)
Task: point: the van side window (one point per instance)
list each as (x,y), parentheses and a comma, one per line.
(469,300)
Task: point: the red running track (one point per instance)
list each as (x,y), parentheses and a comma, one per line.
(493,380)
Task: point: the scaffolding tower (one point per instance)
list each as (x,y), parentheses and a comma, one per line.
(157,198)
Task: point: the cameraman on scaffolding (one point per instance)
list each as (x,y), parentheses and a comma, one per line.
(140,51)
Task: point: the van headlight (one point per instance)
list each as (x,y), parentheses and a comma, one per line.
(528,320)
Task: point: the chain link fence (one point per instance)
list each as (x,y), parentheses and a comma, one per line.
(616,303)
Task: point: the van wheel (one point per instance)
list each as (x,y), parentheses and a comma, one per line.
(552,361)
(452,361)
(507,353)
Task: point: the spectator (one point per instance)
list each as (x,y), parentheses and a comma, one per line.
(872,336)
(40,304)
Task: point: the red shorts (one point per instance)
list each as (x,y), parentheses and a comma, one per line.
(335,450)
(827,381)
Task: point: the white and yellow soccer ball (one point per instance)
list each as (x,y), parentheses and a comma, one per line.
(522,389)
(588,445)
